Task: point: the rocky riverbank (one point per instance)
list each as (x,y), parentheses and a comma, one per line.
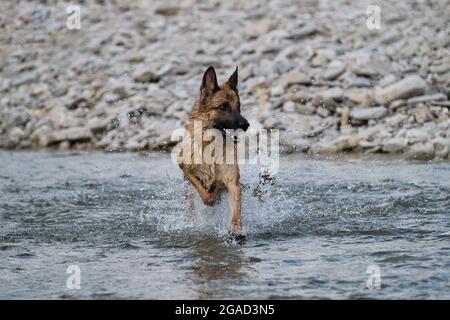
(312,69)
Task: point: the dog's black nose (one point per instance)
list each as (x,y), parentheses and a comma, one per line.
(244,124)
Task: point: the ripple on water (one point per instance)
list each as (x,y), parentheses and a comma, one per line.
(310,235)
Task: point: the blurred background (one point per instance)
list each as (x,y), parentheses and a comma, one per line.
(332,76)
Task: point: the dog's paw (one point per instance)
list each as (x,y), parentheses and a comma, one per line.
(239,238)
(209,201)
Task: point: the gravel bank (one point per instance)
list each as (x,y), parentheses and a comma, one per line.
(311,69)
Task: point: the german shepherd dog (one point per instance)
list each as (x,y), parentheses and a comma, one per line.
(219,108)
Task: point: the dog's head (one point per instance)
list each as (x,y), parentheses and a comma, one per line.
(220,105)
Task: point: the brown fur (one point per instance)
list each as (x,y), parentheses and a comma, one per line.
(217,107)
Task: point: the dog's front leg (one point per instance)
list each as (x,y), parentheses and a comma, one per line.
(208,198)
(234,199)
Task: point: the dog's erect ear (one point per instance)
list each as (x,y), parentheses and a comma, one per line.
(233,80)
(209,83)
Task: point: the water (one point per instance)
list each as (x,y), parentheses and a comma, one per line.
(315,234)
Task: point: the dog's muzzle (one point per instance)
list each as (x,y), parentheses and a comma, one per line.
(243,124)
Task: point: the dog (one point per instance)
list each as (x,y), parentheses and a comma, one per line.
(216,108)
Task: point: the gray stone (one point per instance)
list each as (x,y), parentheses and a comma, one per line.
(22,79)
(306,109)
(360,82)
(40,136)
(441,147)
(302,32)
(396,120)
(296,77)
(276,91)
(335,69)
(368,113)
(427,98)
(288,106)
(420,151)
(60,117)
(258,28)
(97,124)
(330,94)
(322,56)
(422,114)
(387,80)
(417,135)
(323,112)
(395,145)
(360,96)
(397,104)
(76,134)
(145,76)
(363,64)
(406,88)
(294,141)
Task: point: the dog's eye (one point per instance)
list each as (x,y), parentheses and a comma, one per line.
(224,106)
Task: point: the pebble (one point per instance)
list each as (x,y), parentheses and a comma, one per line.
(427,98)
(296,77)
(368,113)
(145,76)
(420,151)
(334,70)
(408,87)
(417,135)
(395,145)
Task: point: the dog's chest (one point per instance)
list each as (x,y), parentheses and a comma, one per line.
(207,174)
(214,174)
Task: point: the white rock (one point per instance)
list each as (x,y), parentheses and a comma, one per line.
(387,80)
(322,56)
(408,87)
(427,98)
(330,94)
(70,134)
(60,117)
(259,28)
(360,96)
(361,64)
(323,112)
(335,69)
(97,124)
(420,151)
(40,135)
(368,113)
(295,141)
(302,32)
(296,77)
(441,146)
(396,120)
(417,135)
(288,106)
(422,114)
(144,75)
(395,145)
(277,90)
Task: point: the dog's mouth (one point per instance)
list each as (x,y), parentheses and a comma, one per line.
(228,133)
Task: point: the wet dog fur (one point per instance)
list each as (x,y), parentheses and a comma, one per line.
(217,107)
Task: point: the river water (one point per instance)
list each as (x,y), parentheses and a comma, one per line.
(342,228)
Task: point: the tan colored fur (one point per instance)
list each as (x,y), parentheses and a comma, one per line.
(210,179)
